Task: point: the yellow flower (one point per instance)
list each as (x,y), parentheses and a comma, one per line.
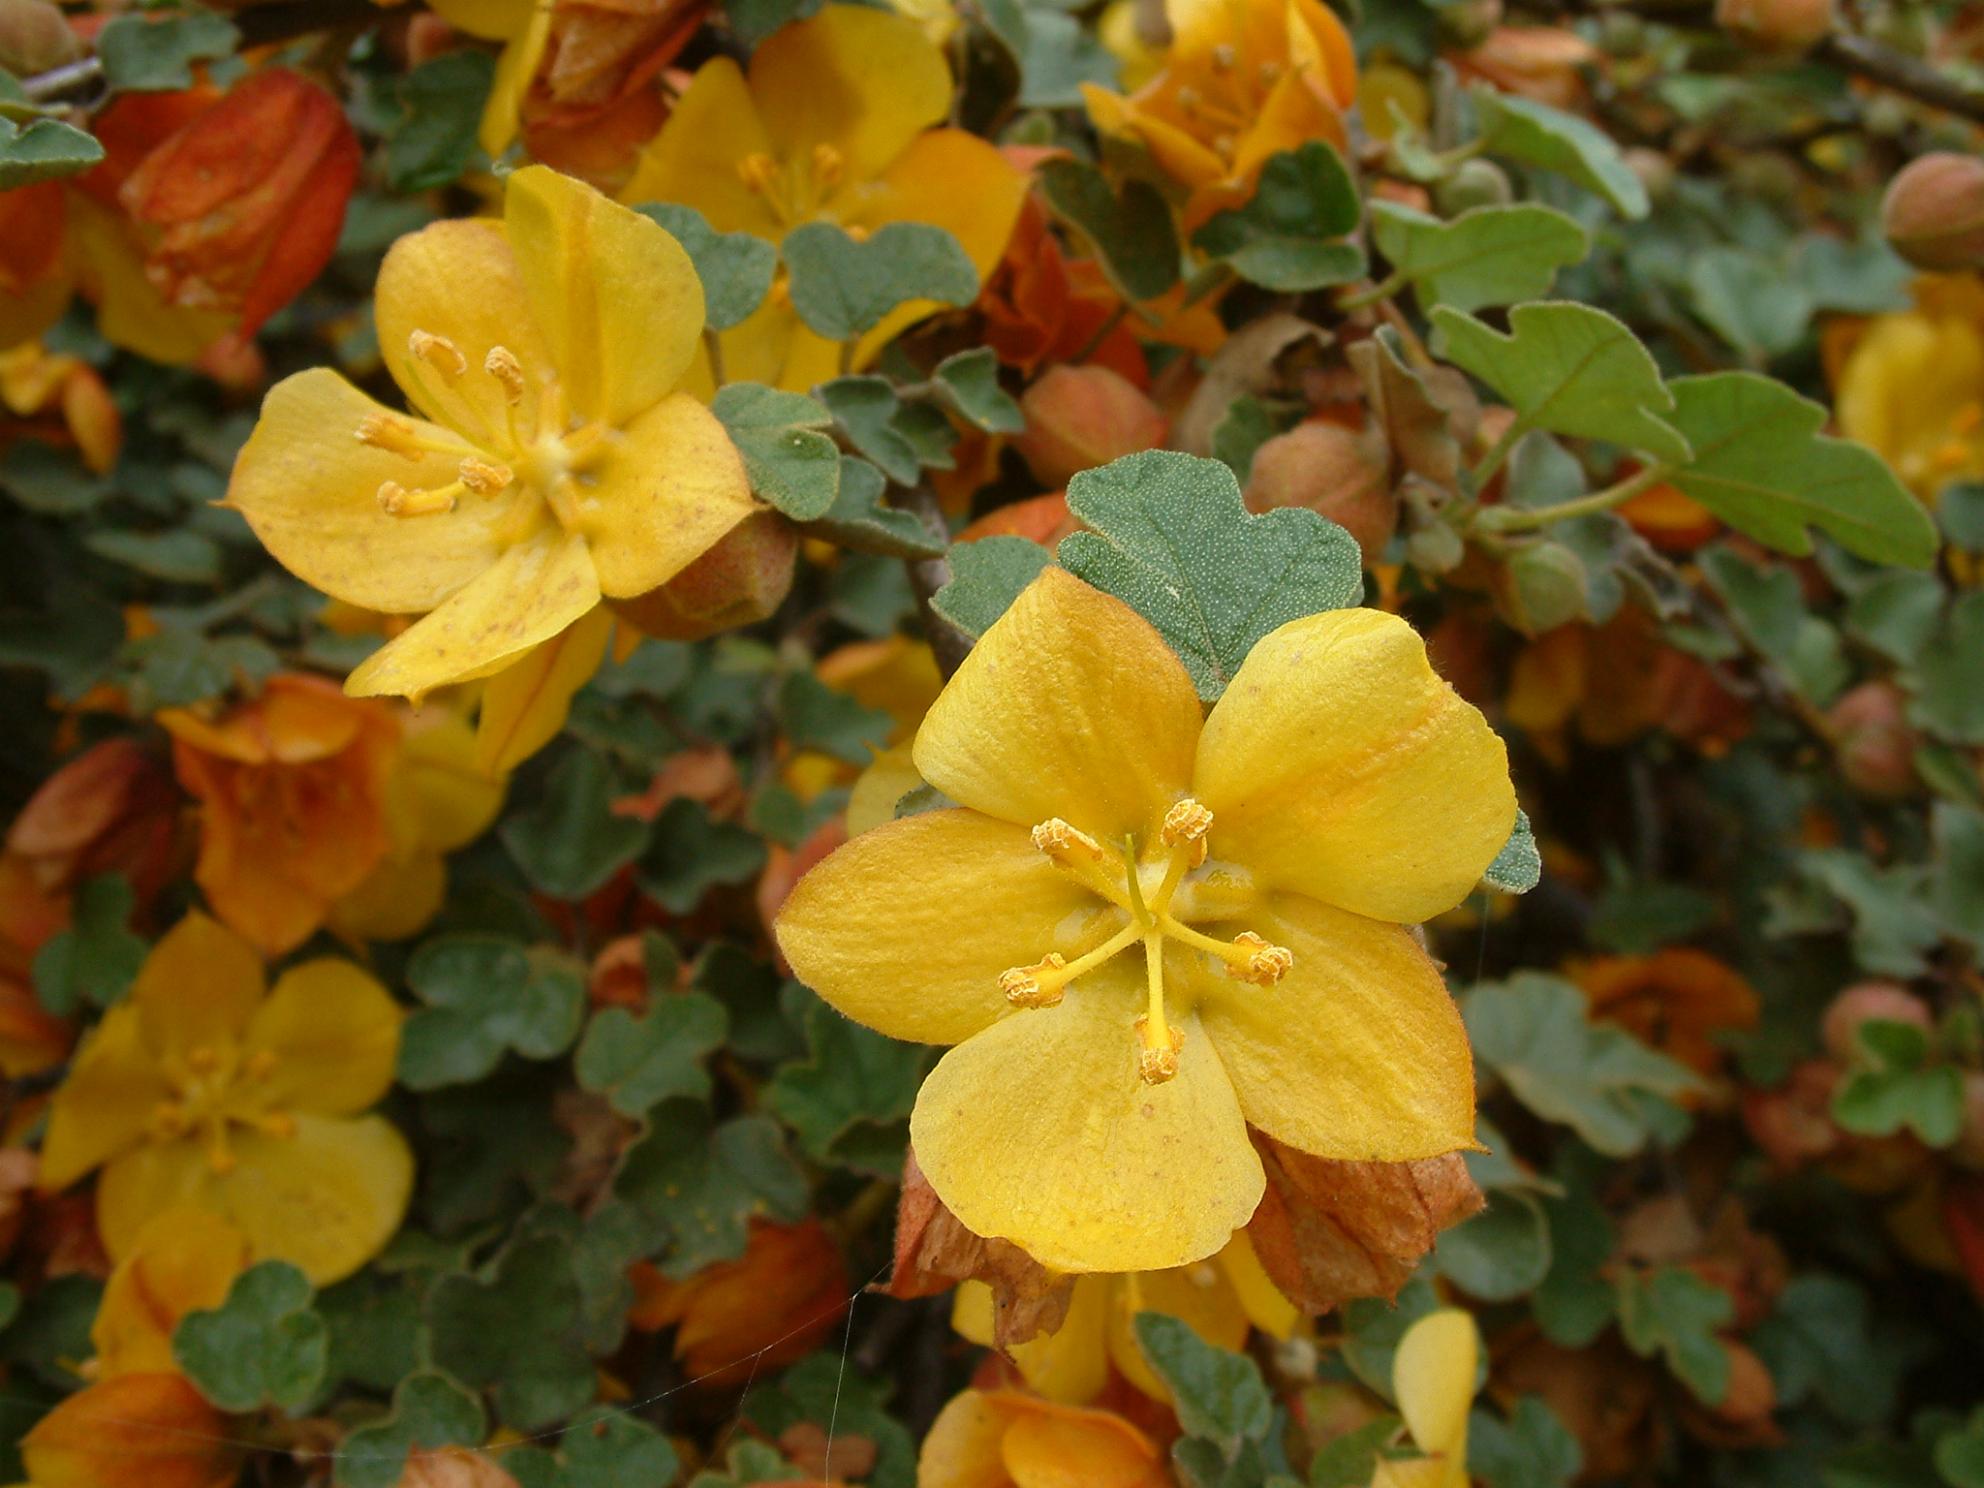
(556,459)
(1221,1298)
(203,1090)
(831,124)
(184,1260)
(1265,861)
(1244,80)
(524,28)
(1913,386)
(1433,1381)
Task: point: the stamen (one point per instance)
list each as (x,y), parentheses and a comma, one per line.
(1249,958)
(1065,843)
(1188,821)
(389,432)
(169,1120)
(397,501)
(1030,986)
(502,364)
(439,353)
(1224,57)
(759,172)
(1161,1044)
(261,1064)
(485,477)
(203,1060)
(829,165)
(278,1124)
(1188,98)
(1269,73)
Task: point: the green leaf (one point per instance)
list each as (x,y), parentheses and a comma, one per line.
(815,716)
(1960,1453)
(637,1063)
(859,520)
(1247,424)
(606,1448)
(842,288)
(96,958)
(1282,238)
(1535,1030)
(51,481)
(483,995)
(1957,883)
(376,1332)
(1373,1327)
(264,1345)
(1218,1394)
(571,842)
(1897,1087)
(1672,1312)
(1896,612)
(1894,927)
(1824,1341)
(1532,133)
(736,268)
(50,1334)
(1768,606)
(969,384)
(792,464)
(176,556)
(1574,1303)
(1132,234)
(692,853)
(1945,698)
(441,104)
(1533,1449)
(824,1391)
(1518,867)
(1570,369)
(47,150)
(517,1329)
(853,1078)
(1487,256)
(754,20)
(1351,1460)
(1501,1253)
(429,1411)
(1750,302)
(1171,537)
(872,415)
(142,55)
(1762,466)
(703,1184)
(986,577)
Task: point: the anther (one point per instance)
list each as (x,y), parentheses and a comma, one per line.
(485,477)
(1157,1060)
(261,1064)
(395,500)
(1264,966)
(502,364)
(438,352)
(1059,840)
(169,1119)
(758,171)
(1223,57)
(828,165)
(1269,73)
(1024,986)
(1188,98)
(278,1124)
(389,432)
(1188,821)
(204,1060)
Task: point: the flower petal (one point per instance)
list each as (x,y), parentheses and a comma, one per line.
(528,595)
(516,67)
(1357,1053)
(1061,1448)
(310,491)
(150,1429)
(326,1199)
(1198,1295)
(197,989)
(526,704)
(457,279)
(106,1104)
(335,1034)
(1433,1378)
(907,927)
(670,489)
(694,159)
(1070,1364)
(1338,764)
(615,296)
(1071,705)
(184,1262)
(1040,1131)
(864,82)
(492,20)
(961,1449)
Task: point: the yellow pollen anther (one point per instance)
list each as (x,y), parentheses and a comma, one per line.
(278,1124)
(438,352)
(204,1060)
(221,1158)
(828,165)
(758,171)
(1157,1053)
(1969,419)
(390,432)
(169,1119)
(1269,73)
(1035,986)
(1059,840)
(502,364)
(1264,965)
(1188,821)
(485,477)
(397,501)
(1224,57)
(1188,98)
(261,1064)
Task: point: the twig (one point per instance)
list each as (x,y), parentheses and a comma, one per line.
(1904,74)
(927,575)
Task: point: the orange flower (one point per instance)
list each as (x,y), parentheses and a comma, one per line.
(136,1431)
(1041,306)
(1539,62)
(65,399)
(770,1307)
(111,808)
(1007,1439)
(1677,1000)
(293,790)
(1245,80)
(31,1038)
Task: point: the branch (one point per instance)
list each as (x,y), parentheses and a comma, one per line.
(1904,74)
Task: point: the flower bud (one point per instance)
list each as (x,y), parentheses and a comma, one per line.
(1933,213)
(1466,23)
(742,579)
(34,37)
(1081,417)
(1541,587)
(1336,472)
(1474,183)
(1875,745)
(1868,1002)
(1776,25)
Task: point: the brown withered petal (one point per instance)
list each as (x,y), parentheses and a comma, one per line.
(935,1252)
(1331,1232)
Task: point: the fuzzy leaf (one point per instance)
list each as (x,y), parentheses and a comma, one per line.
(1898,1087)
(853,1079)
(1674,1313)
(429,1411)
(1521,129)
(1283,237)
(570,843)
(485,994)
(1518,867)
(639,1062)
(969,384)
(46,150)
(96,958)
(1132,233)
(691,853)
(441,105)
(842,288)
(145,55)
(263,1346)
(518,1329)
(1219,1395)
(736,268)
(1488,256)
(986,577)
(703,1184)
(792,464)
(858,519)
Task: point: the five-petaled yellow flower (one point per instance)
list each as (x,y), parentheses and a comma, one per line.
(1265,862)
(556,459)
(831,124)
(204,1091)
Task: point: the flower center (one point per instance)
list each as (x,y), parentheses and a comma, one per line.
(1960,451)
(214,1090)
(540,452)
(1157,898)
(794,190)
